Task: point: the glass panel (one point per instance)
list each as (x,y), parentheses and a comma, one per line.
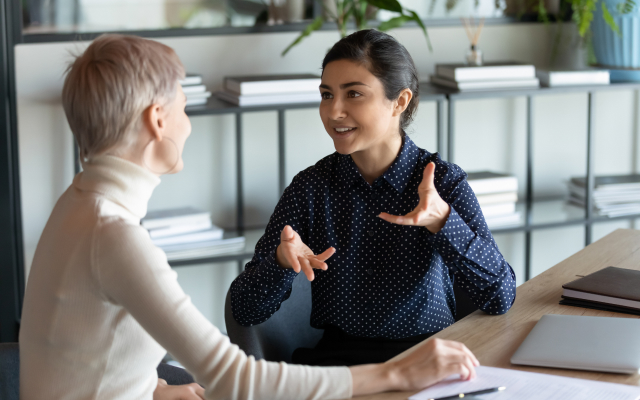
(550,246)
(511,246)
(71,16)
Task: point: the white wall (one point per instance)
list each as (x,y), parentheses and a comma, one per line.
(490,134)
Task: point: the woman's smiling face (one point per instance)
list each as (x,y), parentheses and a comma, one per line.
(354,109)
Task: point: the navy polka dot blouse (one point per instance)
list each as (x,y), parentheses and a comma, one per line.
(384,280)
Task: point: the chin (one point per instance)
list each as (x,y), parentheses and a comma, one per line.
(342,149)
(177,168)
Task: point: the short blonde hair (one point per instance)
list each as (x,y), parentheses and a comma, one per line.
(109,86)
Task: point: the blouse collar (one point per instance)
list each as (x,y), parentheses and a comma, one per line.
(397,175)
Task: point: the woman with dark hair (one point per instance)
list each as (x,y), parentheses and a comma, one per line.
(388,227)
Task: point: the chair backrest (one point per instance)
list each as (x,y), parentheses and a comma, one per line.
(286,330)
(9,371)
(289,328)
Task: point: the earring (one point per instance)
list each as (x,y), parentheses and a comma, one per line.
(161,157)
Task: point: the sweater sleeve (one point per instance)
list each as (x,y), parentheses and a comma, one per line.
(135,274)
(468,248)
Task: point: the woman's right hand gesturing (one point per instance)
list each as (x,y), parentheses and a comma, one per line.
(292,253)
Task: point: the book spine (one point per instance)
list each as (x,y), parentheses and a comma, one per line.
(173,221)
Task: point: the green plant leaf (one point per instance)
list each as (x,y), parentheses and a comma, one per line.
(583,14)
(626,7)
(450,4)
(313,26)
(415,17)
(543,15)
(608,18)
(395,22)
(361,15)
(389,5)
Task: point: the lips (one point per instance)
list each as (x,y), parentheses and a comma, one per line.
(343,130)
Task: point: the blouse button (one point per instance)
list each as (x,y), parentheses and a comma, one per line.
(370,271)
(371,233)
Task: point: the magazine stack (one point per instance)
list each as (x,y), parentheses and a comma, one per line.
(497,195)
(613,195)
(187,233)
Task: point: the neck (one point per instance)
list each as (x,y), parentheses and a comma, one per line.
(375,160)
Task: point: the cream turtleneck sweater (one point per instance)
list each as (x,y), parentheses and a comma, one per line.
(102,305)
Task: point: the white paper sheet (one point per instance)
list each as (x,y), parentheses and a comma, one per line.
(530,386)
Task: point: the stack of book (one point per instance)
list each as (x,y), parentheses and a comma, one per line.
(613,195)
(270,89)
(187,233)
(195,91)
(610,289)
(489,76)
(590,76)
(497,195)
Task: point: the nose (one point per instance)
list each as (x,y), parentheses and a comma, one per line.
(337,109)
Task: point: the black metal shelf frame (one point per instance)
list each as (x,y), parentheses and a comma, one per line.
(12,280)
(445,109)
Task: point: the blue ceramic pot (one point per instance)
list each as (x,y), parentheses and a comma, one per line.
(612,50)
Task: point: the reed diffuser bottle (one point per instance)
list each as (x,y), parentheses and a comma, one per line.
(474,54)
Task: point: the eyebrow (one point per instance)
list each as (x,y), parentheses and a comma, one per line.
(345,85)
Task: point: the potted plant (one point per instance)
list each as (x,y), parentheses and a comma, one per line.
(611,26)
(359,12)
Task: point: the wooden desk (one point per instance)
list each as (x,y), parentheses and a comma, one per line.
(494,339)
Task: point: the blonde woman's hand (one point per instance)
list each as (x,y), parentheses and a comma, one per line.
(192,391)
(423,365)
(292,253)
(432,212)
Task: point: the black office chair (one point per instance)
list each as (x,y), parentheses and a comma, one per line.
(289,328)
(10,372)
(280,335)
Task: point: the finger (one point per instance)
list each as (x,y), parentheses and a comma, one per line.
(462,360)
(199,390)
(306,268)
(317,264)
(465,349)
(394,219)
(410,219)
(428,176)
(462,369)
(288,234)
(324,256)
(292,258)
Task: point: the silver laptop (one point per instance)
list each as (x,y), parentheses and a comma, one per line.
(579,342)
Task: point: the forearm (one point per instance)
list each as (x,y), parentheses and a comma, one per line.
(259,290)
(480,269)
(372,378)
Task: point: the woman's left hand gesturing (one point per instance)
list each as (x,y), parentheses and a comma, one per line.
(432,212)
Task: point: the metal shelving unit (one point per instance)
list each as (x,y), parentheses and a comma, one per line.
(544,214)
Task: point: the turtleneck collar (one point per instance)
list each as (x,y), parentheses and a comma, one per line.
(119,180)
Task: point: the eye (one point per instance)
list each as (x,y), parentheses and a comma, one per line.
(326,96)
(353,94)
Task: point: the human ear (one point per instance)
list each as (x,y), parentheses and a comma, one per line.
(153,120)
(402,102)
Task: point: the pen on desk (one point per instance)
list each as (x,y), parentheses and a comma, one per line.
(461,395)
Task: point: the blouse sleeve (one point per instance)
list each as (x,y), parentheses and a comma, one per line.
(135,274)
(468,248)
(258,292)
